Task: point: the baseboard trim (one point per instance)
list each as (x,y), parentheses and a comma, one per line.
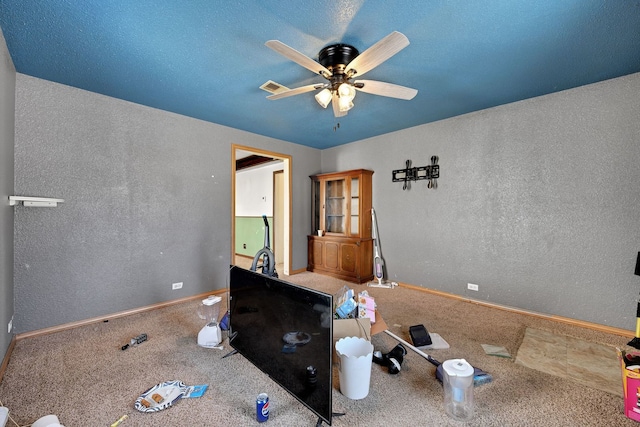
(7,356)
(560,319)
(117,315)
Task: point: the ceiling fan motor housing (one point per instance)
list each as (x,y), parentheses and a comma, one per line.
(336,57)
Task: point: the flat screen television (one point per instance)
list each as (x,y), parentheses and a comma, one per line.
(286,331)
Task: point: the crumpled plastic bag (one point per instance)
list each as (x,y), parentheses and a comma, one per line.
(496,350)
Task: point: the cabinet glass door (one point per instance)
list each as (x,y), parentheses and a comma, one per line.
(355,207)
(316,203)
(335,206)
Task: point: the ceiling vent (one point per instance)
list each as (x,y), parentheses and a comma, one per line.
(273,87)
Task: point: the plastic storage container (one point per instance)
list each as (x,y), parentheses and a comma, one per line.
(458,389)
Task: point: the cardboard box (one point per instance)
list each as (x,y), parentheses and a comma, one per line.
(630,388)
(360,327)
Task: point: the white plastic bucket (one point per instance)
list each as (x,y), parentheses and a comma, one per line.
(47,421)
(354,366)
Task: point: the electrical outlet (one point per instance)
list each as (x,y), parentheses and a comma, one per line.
(10,325)
(472,287)
(176,286)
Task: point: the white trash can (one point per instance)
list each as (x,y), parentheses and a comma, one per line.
(47,421)
(354,366)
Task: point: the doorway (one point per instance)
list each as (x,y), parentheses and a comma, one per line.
(243,157)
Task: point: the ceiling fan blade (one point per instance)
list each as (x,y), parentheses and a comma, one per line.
(336,106)
(385,89)
(296,91)
(378,53)
(297,57)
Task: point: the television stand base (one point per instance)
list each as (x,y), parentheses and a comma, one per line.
(231,353)
(334,414)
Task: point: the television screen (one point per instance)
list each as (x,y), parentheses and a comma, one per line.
(286,331)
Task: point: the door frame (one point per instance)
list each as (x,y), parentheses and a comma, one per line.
(286,163)
(278,220)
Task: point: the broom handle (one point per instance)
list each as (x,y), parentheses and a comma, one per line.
(417,350)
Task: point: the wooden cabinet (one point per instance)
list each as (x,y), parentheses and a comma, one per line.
(341,210)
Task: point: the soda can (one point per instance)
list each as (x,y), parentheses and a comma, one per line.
(262,408)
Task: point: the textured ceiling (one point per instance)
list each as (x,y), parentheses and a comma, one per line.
(206,59)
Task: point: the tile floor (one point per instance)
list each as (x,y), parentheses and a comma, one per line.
(591,364)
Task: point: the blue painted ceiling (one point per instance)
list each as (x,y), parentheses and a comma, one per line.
(206,59)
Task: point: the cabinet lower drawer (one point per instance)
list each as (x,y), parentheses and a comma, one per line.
(342,257)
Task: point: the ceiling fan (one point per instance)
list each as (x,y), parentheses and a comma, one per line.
(339,64)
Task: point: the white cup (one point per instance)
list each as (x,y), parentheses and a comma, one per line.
(47,421)
(320,233)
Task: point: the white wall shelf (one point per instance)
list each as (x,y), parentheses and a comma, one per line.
(35,201)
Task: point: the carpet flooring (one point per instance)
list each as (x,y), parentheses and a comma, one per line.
(82,375)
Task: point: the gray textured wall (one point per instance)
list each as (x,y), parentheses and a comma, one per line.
(147,203)
(538,202)
(7,108)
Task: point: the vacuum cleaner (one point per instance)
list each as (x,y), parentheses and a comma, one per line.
(479,376)
(268,266)
(378,261)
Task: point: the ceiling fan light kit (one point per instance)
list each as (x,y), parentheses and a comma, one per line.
(324,97)
(338,64)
